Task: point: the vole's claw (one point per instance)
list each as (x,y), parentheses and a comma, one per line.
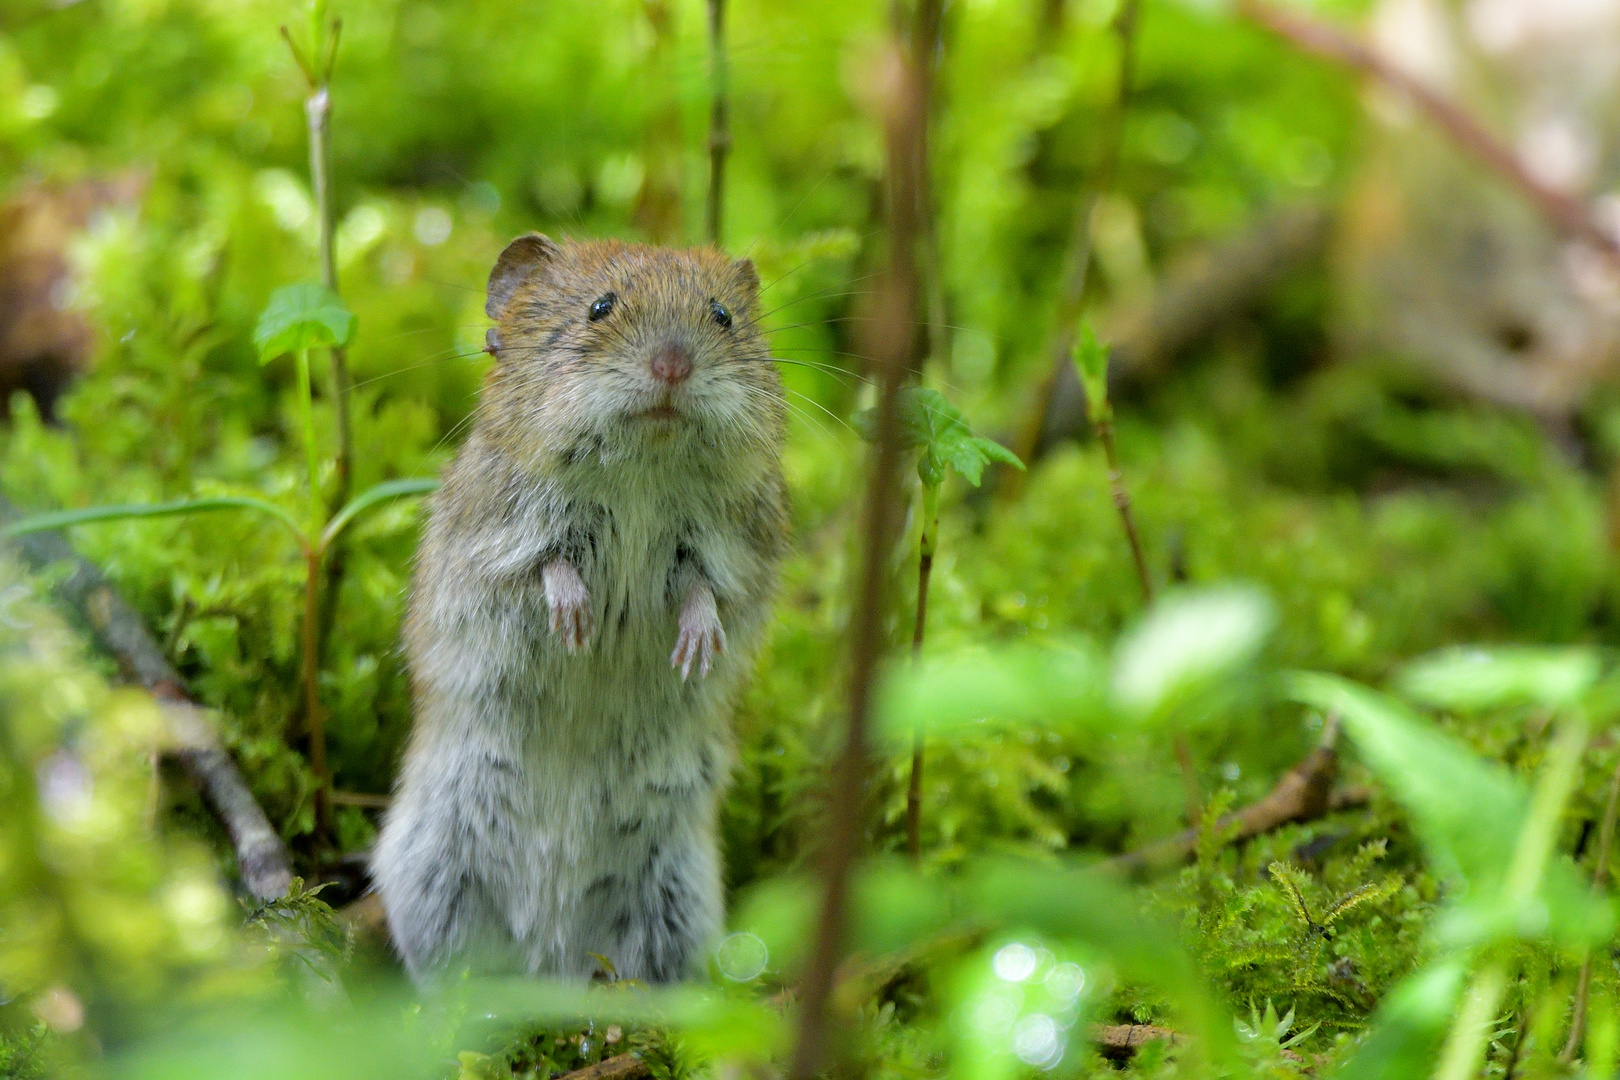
(570,605)
(572,624)
(702,638)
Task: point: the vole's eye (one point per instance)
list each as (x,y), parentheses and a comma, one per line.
(602,307)
(719,313)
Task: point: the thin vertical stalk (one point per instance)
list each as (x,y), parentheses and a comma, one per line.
(318,115)
(925,569)
(1122,502)
(927,47)
(313,719)
(312,450)
(719,122)
(1077,258)
(1465,1043)
(1600,876)
(314,722)
(887,342)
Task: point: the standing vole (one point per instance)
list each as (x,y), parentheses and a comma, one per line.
(591,588)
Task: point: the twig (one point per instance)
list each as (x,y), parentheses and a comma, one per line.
(1104,426)
(925,570)
(1600,875)
(261,857)
(324,580)
(1568,212)
(887,338)
(719,121)
(1303,793)
(1121,1041)
(622,1067)
(1077,258)
(1199,295)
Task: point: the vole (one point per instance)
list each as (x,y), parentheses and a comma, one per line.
(592,585)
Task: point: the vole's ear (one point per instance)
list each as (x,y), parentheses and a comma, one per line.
(521,258)
(747,278)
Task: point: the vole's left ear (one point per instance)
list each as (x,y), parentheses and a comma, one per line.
(747,279)
(522,257)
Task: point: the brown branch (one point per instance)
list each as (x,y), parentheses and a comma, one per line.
(1122,502)
(719,121)
(1568,212)
(886,342)
(1077,257)
(261,857)
(622,1067)
(1118,1042)
(1303,793)
(1199,295)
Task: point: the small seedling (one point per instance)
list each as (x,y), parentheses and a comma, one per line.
(934,428)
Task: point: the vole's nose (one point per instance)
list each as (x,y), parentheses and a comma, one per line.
(672,364)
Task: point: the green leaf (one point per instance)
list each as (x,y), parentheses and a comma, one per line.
(1186,642)
(931,424)
(1058,686)
(1472,679)
(299,317)
(392,489)
(1091,361)
(1468,812)
(63,519)
(1410,1023)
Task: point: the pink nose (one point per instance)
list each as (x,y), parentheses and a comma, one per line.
(672,364)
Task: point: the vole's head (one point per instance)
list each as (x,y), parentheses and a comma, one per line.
(608,350)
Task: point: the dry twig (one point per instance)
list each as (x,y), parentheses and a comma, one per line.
(622,1067)
(886,342)
(1568,212)
(1303,793)
(261,857)
(719,122)
(1119,1042)
(1198,296)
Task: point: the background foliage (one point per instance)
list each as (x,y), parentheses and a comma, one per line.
(1381,514)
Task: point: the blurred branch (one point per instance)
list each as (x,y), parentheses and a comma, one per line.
(1568,212)
(887,337)
(1119,1042)
(719,121)
(1197,297)
(1304,793)
(1077,258)
(261,857)
(622,1067)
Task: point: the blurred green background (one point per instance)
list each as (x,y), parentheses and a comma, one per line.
(1404,432)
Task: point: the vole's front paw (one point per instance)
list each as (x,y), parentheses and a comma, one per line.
(570,604)
(702,638)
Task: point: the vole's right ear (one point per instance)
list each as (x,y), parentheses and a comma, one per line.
(521,258)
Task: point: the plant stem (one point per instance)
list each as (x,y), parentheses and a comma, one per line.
(719,122)
(886,341)
(314,721)
(1077,259)
(312,451)
(314,557)
(925,569)
(1122,502)
(318,111)
(1600,876)
(1465,1044)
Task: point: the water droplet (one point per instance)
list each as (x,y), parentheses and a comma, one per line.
(1015,962)
(741,957)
